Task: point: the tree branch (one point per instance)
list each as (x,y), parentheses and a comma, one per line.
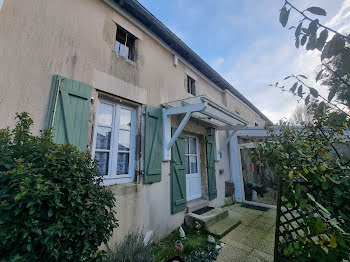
(324,99)
(308,18)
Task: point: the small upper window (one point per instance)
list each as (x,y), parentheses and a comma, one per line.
(191,85)
(125,44)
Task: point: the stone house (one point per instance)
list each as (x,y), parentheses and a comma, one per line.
(111,78)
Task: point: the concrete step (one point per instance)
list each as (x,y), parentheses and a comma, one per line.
(207,219)
(196,204)
(224,226)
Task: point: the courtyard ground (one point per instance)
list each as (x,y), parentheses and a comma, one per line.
(253,239)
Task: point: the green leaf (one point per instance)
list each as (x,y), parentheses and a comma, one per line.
(317,10)
(310,196)
(318,77)
(50,213)
(321,107)
(322,39)
(294,87)
(313,26)
(284,15)
(311,44)
(296,245)
(345,58)
(298,30)
(341,119)
(334,47)
(307,100)
(303,40)
(300,91)
(297,42)
(303,76)
(332,93)
(341,241)
(325,185)
(287,77)
(29,247)
(303,203)
(314,92)
(319,226)
(348,39)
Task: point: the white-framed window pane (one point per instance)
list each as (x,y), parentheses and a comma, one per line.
(125,119)
(186,145)
(103,160)
(105,114)
(193,164)
(103,137)
(117,47)
(193,145)
(123,163)
(187,165)
(124,140)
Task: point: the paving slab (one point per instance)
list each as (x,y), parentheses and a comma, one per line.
(229,254)
(253,239)
(257,255)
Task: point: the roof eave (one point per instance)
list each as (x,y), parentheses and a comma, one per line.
(143,16)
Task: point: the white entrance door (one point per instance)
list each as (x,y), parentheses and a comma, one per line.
(192,163)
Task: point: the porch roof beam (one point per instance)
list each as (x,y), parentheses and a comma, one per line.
(168,140)
(185,109)
(178,130)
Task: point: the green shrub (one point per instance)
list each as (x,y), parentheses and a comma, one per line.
(132,249)
(52,204)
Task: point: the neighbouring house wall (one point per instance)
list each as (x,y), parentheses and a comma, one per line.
(75,39)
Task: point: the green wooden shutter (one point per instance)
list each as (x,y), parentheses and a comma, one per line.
(153,145)
(69,111)
(178,175)
(210,144)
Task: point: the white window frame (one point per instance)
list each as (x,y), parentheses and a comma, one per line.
(189,154)
(112,177)
(189,136)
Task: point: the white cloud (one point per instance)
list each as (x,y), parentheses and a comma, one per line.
(217,63)
(180,34)
(341,21)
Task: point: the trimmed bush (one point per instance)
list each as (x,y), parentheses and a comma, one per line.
(52,204)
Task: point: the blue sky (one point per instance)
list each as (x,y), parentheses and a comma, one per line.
(245,43)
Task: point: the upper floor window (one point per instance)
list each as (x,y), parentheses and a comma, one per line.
(114,142)
(191,85)
(125,44)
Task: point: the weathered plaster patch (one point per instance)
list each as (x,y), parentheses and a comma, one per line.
(118,87)
(109,33)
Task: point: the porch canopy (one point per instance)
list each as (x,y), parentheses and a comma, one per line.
(199,107)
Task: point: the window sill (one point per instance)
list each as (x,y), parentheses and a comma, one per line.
(131,62)
(124,189)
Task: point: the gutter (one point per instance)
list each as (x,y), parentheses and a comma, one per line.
(143,16)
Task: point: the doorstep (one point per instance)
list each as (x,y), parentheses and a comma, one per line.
(206,219)
(224,226)
(196,204)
